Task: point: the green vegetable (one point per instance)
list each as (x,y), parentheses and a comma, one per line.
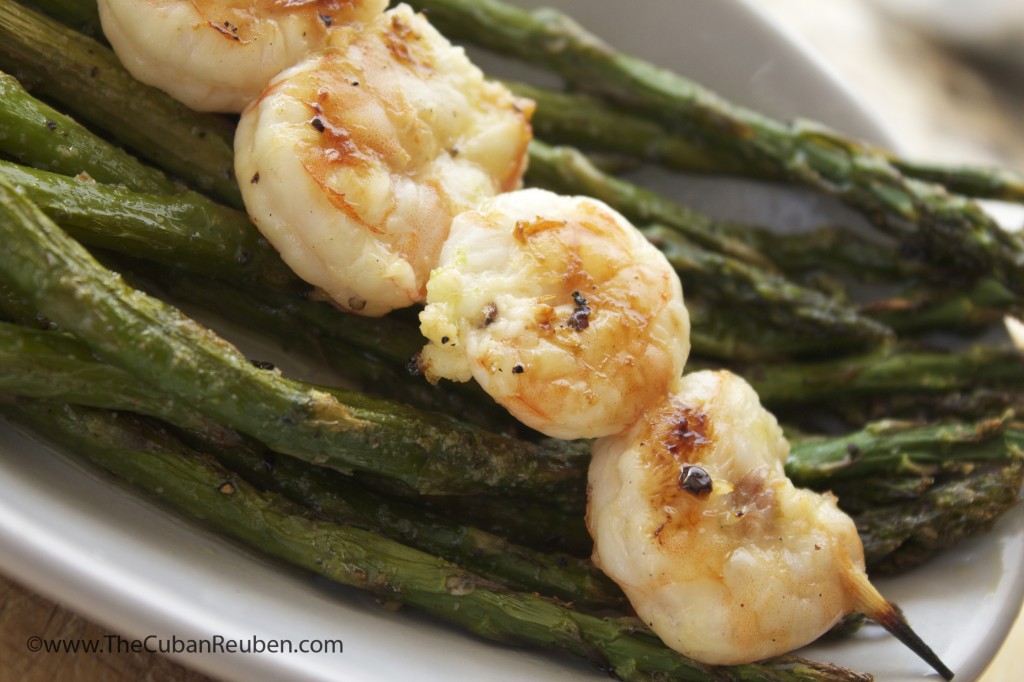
(590,123)
(36,134)
(193,484)
(160,346)
(954,233)
(175,229)
(87,80)
(567,171)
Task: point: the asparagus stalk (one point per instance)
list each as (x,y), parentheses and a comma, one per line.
(395,338)
(592,124)
(973,403)
(928,308)
(890,371)
(784,304)
(191,483)
(900,465)
(566,170)
(942,516)
(167,228)
(830,248)
(954,233)
(340,499)
(87,79)
(373,353)
(162,347)
(81,15)
(723,333)
(36,134)
(892,448)
(972,181)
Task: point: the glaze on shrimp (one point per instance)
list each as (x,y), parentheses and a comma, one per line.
(354,162)
(720,554)
(561,311)
(218,55)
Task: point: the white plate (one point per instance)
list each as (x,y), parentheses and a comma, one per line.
(78,538)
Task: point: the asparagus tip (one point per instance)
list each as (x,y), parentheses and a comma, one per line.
(874,606)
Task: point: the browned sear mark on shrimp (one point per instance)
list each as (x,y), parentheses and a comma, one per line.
(525,229)
(399,39)
(689,433)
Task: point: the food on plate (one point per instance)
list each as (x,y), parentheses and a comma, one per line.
(560,309)
(719,553)
(353,162)
(395,70)
(217,55)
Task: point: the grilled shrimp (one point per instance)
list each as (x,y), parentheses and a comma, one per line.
(561,311)
(354,162)
(217,55)
(693,516)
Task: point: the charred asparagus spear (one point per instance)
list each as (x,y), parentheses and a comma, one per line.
(891,371)
(338,498)
(568,171)
(38,135)
(195,485)
(81,15)
(88,81)
(784,304)
(943,515)
(167,228)
(592,124)
(162,347)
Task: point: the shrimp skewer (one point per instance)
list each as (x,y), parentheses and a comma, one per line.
(561,311)
(217,55)
(354,162)
(692,515)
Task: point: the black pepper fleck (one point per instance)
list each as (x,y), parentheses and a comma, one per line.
(326,19)
(518,369)
(695,480)
(255,177)
(262,364)
(318,124)
(580,318)
(52,125)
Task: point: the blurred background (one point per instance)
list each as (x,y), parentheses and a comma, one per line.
(946,78)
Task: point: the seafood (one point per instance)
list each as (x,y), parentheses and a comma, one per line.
(217,55)
(719,553)
(559,309)
(354,162)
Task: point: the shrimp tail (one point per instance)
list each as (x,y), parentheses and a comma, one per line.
(885,613)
